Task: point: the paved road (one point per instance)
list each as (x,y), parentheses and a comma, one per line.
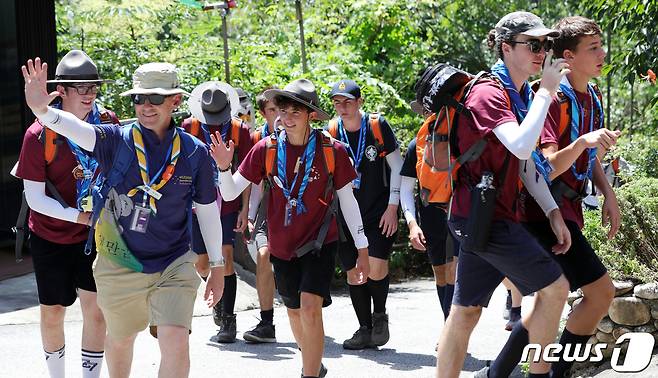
(415,324)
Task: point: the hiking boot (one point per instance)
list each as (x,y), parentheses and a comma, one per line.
(513,319)
(263,333)
(227,329)
(217,313)
(360,339)
(380,333)
(323,371)
(482,373)
(508,306)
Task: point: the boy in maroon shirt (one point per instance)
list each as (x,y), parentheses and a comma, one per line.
(300,210)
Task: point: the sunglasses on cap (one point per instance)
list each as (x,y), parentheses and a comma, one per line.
(536,45)
(154,99)
(84,89)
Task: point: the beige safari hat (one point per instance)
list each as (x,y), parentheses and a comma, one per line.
(155,78)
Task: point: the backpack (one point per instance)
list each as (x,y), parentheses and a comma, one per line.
(443,89)
(123,158)
(330,190)
(51,141)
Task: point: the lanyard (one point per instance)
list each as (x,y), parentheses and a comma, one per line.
(149,186)
(520,104)
(362,140)
(577,121)
(307,159)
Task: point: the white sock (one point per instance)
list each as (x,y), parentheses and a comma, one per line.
(91,364)
(56,363)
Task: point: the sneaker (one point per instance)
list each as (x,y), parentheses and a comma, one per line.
(323,371)
(380,333)
(360,339)
(508,306)
(227,329)
(513,319)
(482,373)
(263,333)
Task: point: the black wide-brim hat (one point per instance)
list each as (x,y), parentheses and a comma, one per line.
(214,102)
(77,67)
(301,91)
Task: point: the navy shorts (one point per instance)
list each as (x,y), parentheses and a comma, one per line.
(61,269)
(228,235)
(311,273)
(379,246)
(439,244)
(580,264)
(512,252)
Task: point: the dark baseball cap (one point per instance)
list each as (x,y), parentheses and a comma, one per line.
(347,88)
(523,23)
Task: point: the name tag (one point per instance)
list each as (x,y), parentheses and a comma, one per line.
(152,192)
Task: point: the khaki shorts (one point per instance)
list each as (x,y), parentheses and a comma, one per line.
(130,300)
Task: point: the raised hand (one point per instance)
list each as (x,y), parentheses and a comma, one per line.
(222,154)
(553,72)
(37,97)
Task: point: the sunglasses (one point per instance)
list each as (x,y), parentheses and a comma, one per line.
(536,45)
(154,99)
(84,89)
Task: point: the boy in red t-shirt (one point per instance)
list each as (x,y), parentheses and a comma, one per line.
(301,210)
(572,152)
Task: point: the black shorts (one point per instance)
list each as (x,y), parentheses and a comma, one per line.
(61,269)
(434,224)
(511,252)
(228,235)
(379,246)
(580,264)
(312,273)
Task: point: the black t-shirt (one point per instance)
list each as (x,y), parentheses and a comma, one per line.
(409,165)
(373,193)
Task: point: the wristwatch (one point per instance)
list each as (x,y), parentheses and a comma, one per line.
(217,263)
(225,170)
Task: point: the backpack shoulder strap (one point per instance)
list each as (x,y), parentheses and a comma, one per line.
(333,128)
(195,128)
(122,159)
(565,114)
(328,152)
(49,139)
(236,124)
(190,146)
(375,126)
(270,155)
(255,136)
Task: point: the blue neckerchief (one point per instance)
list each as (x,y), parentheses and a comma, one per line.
(577,118)
(87,162)
(362,140)
(306,159)
(265,132)
(520,104)
(206,135)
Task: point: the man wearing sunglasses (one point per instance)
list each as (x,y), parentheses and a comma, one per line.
(153,173)
(59,228)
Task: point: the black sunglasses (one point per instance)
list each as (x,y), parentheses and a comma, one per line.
(536,45)
(85,89)
(154,99)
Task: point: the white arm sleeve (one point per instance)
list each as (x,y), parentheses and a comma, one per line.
(352,215)
(255,197)
(65,123)
(211,228)
(231,185)
(407,198)
(394,161)
(521,140)
(35,194)
(537,186)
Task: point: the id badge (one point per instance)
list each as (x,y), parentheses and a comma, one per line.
(140,219)
(87,204)
(356,183)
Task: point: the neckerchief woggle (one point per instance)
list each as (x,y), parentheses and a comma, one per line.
(577,119)
(520,105)
(149,186)
(342,134)
(89,164)
(282,178)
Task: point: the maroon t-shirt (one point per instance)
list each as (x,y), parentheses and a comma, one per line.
(244,145)
(32,166)
(489,108)
(571,210)
(284,240)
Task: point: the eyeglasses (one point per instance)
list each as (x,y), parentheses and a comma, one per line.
(85,89)
(536,45)
(154,99)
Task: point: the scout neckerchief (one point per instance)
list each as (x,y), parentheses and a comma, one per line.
(578,120)
(87,163)
(265,132)
(520,105)
(281,179)
(361,147)
(149,185)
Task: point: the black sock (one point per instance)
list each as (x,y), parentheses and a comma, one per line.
(379,293)
(230,290)
(560,368)
(508,300)
(360,295)
(510,355)
(516,311)
(538,375)
(441,290)
(447,302)
(267,316)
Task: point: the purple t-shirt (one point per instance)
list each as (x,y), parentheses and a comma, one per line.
(167,236)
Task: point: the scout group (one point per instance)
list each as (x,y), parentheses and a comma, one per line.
(130,219)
